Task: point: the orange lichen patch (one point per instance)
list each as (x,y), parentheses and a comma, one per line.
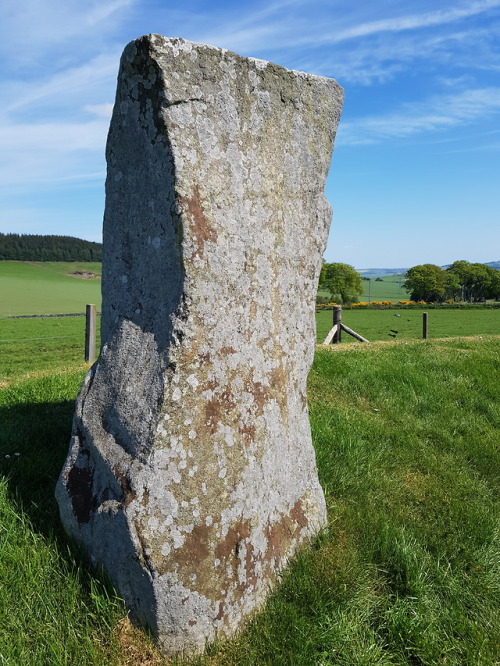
(247,432)
(198,555)
(280,534)
(260,394)
(201,227)
(195,551)
(229,547)
(279,386)
(225,351)
(216,407)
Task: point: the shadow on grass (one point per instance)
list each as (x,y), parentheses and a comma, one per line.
(33,445)
(34,440)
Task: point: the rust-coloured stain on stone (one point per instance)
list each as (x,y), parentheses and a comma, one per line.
(289,527)
(201,227)
(218,406)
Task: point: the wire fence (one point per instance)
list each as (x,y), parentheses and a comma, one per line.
(50,332)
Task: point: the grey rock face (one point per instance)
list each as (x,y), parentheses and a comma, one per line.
(191,476)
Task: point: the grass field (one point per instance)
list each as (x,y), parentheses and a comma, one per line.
(40,345)
(387,289)
(382,324)
(47,287)
(25,343)
(407,572)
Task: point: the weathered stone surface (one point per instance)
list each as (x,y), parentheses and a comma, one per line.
(191,475)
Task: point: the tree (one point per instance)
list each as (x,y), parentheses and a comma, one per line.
(426,282)
(342,281)
(476,281)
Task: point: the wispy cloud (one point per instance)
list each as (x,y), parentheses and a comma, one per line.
(94,78)
(381,59)
(33,28)
(52,152)
(410,22)
(429,116)
(300,27)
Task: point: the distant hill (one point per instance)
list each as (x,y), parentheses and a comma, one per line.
(31,247)
(376,272)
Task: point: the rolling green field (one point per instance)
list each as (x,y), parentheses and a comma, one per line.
(388,289)
(406,437)
(46,287)
(406,573)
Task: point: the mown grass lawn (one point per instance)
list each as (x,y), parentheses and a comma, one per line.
(406,573)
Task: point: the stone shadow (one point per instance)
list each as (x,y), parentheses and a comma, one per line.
(34,441)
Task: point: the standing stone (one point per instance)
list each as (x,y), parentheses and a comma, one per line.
(191,476)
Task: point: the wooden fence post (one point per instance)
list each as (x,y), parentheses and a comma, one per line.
(90,333)
(424,325)
(337,320)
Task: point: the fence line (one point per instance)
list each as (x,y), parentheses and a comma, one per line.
(334,335)
(56,337)
(90,332)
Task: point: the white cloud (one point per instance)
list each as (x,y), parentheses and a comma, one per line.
(101,110)
(33,28)
(322,25)
(52,152)
(432,115)
(411,22)
(69,87)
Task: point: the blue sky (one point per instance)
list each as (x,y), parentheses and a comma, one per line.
(415,175)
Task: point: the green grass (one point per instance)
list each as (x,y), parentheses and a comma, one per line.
(407,572)
(379,324)
(388,289)
(46,288)
(53,609)
(40,345)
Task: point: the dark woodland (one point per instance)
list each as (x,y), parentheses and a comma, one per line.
(30,247)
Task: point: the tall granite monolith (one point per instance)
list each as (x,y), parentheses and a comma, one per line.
(191,476)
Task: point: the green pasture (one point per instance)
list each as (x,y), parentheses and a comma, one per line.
(44,343)
(40,345)
(388,288)
(404,324)
(47,287)
(407,571)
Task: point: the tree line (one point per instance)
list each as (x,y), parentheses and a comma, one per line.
(32,247)
(462,281)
